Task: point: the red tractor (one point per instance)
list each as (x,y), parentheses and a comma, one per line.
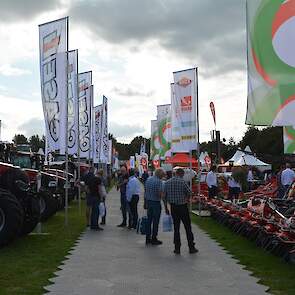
(19,206)
(50,191)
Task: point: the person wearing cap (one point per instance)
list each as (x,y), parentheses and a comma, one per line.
(177,194)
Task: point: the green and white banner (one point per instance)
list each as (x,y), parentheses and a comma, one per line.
(164,130)
(271,62)
(155,142)
(289,140)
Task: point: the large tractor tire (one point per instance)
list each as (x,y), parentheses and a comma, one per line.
(32,211)
(29,202)
(48,204)
(9,178)
(11,217)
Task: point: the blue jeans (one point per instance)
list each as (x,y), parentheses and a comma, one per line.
(153,215)
(125,209)
(94,212)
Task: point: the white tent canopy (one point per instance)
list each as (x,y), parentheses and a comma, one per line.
(238,154)
(241,158)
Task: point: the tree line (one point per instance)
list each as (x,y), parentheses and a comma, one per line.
(266,143)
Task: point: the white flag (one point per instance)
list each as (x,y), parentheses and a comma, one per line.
(132,162)
(85,110)
(184,111)
(104,150)
(73,102)
(97,124)
(110,162)
(53,43)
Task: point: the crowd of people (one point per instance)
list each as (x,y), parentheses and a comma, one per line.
(170,190)
(7,152)
(285,177)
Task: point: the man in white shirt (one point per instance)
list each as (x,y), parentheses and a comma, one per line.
(234,187)
(211,181)
(287,177)
(250,178)
(132,195)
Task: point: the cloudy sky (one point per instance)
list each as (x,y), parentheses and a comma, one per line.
(132,47)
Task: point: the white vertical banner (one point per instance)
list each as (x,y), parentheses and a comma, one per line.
(53,45)
(110,152)
(132,162)
(96,132)
(73,102)
(85,110)
(104,150)
(184,111)
(164,129)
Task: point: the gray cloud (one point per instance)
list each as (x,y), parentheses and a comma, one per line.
(121,130)
(32,127)
(208,33)
(131,92)
(16,10)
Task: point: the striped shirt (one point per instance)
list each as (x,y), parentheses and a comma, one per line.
(176,191)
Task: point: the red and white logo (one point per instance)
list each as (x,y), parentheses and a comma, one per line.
(183,82)
(186,103)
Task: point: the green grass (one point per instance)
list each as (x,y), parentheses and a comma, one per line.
(271,270)
(28,263)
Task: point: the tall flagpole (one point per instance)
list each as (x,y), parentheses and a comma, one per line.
(78,150)
(190,182)
(198,142)
(67,127)
(91,118)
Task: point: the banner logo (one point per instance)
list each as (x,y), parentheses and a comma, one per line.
(183,82)
(186,103)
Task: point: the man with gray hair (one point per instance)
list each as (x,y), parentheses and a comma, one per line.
(153,195)
(177,194)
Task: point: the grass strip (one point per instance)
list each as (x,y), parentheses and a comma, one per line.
(271,270)
(28,263)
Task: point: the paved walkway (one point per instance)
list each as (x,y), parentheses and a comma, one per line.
(116,261)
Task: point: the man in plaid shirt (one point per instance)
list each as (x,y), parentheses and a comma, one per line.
(177,194)
(153,191)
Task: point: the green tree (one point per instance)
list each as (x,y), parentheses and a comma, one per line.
(20,139)
(266,143)
(36,143)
